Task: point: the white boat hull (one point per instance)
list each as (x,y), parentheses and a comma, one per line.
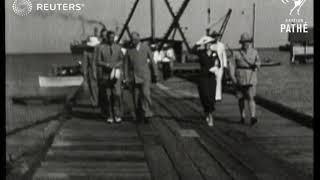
(58,81)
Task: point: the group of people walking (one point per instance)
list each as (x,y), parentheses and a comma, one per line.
(136,65)
(242,69)
(119,66)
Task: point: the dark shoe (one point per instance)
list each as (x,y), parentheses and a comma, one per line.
(147,120)
(242,120)
(254,121)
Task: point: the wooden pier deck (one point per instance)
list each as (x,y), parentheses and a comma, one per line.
(177,144)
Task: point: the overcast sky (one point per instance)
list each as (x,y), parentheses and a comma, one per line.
(37,33)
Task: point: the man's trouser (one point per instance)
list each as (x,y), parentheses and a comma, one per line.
(167,71)
(110,97)
(143,99)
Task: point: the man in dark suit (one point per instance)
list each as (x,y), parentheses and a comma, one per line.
(137,67)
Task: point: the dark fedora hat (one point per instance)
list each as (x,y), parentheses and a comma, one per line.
(215,34)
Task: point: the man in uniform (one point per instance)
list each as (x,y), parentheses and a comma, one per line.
(137,67)
(244,73)
(108,60)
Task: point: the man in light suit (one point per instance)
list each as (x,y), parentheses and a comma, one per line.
(108,60)
(137,69)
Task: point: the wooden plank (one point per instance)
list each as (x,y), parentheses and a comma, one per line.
(297,143)
(99,127)
(95,150)
(94,169)
(185,168)
(148,134)
(277,124)
(100,124)
(95,153)
(136,156)
(98,165)
(44,175)
(94,147)
(185,109)
(207,166)
(104,142)
(249,154)
(159,164)
(106,133)
(233,166)
(99,139)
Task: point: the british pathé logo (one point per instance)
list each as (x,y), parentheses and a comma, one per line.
(294,24)
(22,7)
(297,4)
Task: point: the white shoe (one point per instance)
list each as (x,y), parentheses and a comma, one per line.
(207,119)
(110,120)
(210,122)
(118,119)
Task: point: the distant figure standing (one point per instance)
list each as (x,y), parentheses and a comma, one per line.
(109,61)
(157,56)
(94,39)
(167,61)
(244,74)
(137,68)
(95,32)
(208,60)
(89,66)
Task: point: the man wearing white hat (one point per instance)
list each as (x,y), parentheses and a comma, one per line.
(93,41)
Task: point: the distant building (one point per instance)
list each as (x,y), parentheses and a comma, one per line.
(301,45)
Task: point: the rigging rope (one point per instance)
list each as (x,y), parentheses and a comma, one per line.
(217,22)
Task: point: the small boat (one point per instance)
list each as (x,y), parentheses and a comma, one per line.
(270,62)
(285,47)
(60,81)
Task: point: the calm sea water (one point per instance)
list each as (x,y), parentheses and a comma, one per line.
(22,73)
(288,84)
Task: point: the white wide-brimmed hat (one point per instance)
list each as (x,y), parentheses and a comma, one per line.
(93,41)
(205,40)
